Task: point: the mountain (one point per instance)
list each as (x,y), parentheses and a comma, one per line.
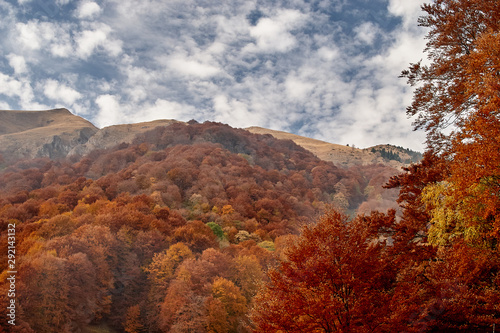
(395,153)
(58,133)
(52,133)
(146,228)
(110,136)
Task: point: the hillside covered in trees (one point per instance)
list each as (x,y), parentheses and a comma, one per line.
(173,232)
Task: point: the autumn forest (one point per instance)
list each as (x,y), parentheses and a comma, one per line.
(207,228)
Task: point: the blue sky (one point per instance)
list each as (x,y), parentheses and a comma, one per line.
(326,69)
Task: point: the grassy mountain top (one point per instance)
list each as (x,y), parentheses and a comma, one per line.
(346,156)
(50,121)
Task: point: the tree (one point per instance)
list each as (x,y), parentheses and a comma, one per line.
(336,278)
(197,235)
(248,275)
(233,302)
(450,198)
(216,316)
(465,289)
(442,97)
(44,293)
(182,309)
(133,320)
(457,102)
(162,268)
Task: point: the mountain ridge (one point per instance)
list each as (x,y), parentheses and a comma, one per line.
(344,156)
(58,133)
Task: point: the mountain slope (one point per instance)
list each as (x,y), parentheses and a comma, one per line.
(58,133)
(110,136)
(158,225)
(51,133)
(340,155)
(395,153)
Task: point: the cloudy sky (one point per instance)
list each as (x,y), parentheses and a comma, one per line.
(326,69)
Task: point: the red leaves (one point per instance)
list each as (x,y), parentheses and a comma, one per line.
(335,279)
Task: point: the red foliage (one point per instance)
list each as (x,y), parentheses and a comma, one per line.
(337,278)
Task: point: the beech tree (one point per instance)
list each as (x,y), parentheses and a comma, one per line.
(335,278)
(233,302)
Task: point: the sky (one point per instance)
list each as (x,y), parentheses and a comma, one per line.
(325,69)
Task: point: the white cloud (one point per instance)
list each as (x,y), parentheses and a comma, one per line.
(60,92)
(191,67)
(113,47)
(110,112)
(62,49)
(22,90)
(273,34)
(29,35)
(9,86)
(163,109)
(234,112)
(366,32)
(18,63)
(294,68)
(87,10)
(4,105)
(113,111)
(298,88)
(327,53)
(88,41)
(50,37)
(409,11)
(137,94)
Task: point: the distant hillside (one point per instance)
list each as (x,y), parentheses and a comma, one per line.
(51,121)
(396,153)
(50,133)
(58,133)
(110,136)
(346,156)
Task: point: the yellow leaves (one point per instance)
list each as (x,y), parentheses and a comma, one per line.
(446,221)
(248,275)
(268,245)
(454,214)
(162,268)
(50,209)
(230,296)
(227,210)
